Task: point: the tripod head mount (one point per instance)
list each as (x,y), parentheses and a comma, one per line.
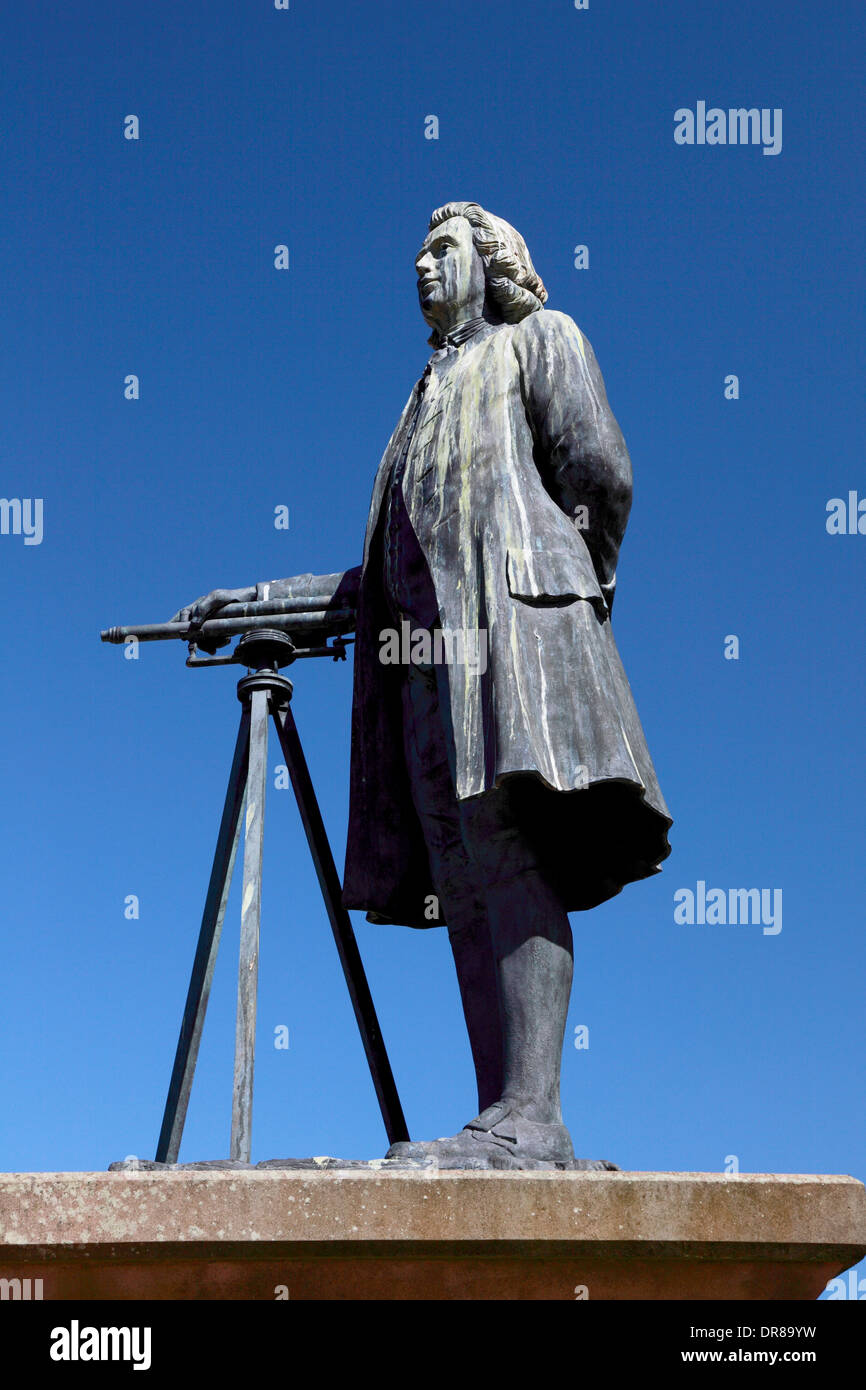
(263,649)
(268,649)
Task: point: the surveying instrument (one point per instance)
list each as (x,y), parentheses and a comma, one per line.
(272,634)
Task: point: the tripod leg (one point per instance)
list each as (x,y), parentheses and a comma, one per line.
(251,908)
(344,936)
(210,931)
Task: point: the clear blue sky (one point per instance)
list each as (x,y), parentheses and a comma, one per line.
(261,387)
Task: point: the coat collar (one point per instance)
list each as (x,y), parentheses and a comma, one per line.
(467,329)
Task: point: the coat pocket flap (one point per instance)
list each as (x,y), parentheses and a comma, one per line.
(540,576)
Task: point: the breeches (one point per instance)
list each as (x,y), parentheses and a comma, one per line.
(473,844)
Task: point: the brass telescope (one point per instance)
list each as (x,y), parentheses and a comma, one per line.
(291,615)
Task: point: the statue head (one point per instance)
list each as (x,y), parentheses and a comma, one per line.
(473,263)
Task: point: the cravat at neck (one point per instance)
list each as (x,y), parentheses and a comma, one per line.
(458,335)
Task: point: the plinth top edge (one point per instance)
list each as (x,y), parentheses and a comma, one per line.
(422,1175)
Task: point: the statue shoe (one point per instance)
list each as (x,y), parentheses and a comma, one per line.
(502,1137)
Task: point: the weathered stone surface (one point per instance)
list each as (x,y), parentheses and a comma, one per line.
(367,1233)
(320,1164)
(326,1163)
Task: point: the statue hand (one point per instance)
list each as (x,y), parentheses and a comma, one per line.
(208,605)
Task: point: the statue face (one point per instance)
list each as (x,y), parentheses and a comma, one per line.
(450,274)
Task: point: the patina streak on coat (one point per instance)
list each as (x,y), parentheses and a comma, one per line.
(513,436)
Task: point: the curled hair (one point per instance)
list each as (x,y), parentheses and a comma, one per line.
(514,289)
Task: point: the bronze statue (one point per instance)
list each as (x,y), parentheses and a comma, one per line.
(493,795)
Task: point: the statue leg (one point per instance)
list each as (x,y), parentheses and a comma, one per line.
(532,943)
(532,946)
(462,903)
(512,948)
(513,953)
(511,941)
(478,978)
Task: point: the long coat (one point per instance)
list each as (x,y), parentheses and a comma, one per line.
(518,487)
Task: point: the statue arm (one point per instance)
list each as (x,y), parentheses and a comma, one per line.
(339,589)
(580,450)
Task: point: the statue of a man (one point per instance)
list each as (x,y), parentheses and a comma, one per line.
(495,792)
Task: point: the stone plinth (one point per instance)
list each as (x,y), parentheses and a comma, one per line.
(432,1235)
